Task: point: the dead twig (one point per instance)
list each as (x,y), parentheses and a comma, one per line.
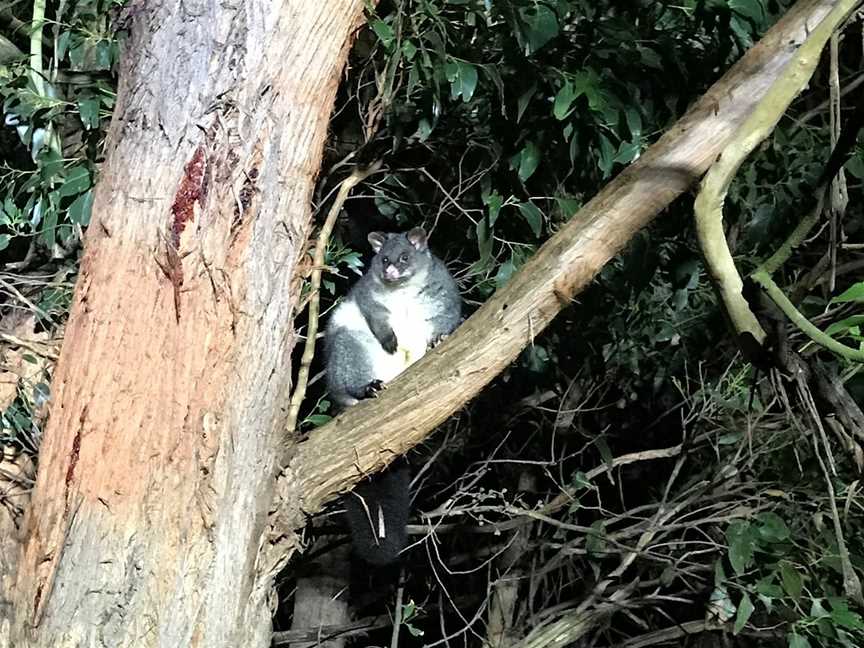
(315,280)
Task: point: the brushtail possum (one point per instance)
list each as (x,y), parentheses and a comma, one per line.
(405,303)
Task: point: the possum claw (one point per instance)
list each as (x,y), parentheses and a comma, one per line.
(438,339)
(374,388)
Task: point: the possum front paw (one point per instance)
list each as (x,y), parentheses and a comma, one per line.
(374,388)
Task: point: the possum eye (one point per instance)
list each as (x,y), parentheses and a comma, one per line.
(385,260)
(403,258)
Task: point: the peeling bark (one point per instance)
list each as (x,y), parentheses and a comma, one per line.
(156,472)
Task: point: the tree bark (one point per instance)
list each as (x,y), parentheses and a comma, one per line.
(371,434)
(157,468)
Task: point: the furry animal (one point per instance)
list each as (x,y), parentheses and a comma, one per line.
(405,303)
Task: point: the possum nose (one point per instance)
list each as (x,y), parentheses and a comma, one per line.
(391,272)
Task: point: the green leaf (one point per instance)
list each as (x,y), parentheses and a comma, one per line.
(484,242)
(505,271)
(523,101)
(627,152)
(77,180)
(89,111)
(634,122)
(607,155)
(103,55)
(50,164)
(595,542)
(536,358)
(580,481)
(588,82)
(817,610)
(749,9)
(493,202)
(767,588)
(463,79)
(568,206)
(533,216)
(424,129)
(409,49)
(773,528)
(541,26)
(79,210)
(741,546)
(649,58)
(745,609)
(797,641)
(841,615)
(468,78)
(854,293)
(529,159)
(845,324)
(383,31)
(720,605)
(78,54)
(4,241)
(855,166)
(63,44)
(564,101)
(49,226)
(605,451)
(730,438)
(791,579)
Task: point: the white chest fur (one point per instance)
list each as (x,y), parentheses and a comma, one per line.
(409,319)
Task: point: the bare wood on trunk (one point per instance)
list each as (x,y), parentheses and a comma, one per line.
(156,472)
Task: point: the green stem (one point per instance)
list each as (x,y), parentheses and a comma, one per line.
(36,73)
(796,238)
(764,279)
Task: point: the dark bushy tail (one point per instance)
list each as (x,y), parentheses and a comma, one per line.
(377,511)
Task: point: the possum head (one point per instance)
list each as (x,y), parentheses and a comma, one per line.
(399,257)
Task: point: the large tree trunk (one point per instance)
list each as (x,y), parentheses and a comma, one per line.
(156,472)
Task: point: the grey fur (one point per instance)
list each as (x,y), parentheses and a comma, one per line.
(349,370)
(405,276)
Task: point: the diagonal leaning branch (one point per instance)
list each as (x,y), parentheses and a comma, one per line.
(372,433)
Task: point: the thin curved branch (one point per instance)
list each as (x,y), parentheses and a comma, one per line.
(358,176)
(806,326)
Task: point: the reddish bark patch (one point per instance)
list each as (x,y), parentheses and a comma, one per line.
(73,458)
(192,189)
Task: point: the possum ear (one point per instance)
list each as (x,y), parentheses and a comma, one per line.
(376,240)
(417,238)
